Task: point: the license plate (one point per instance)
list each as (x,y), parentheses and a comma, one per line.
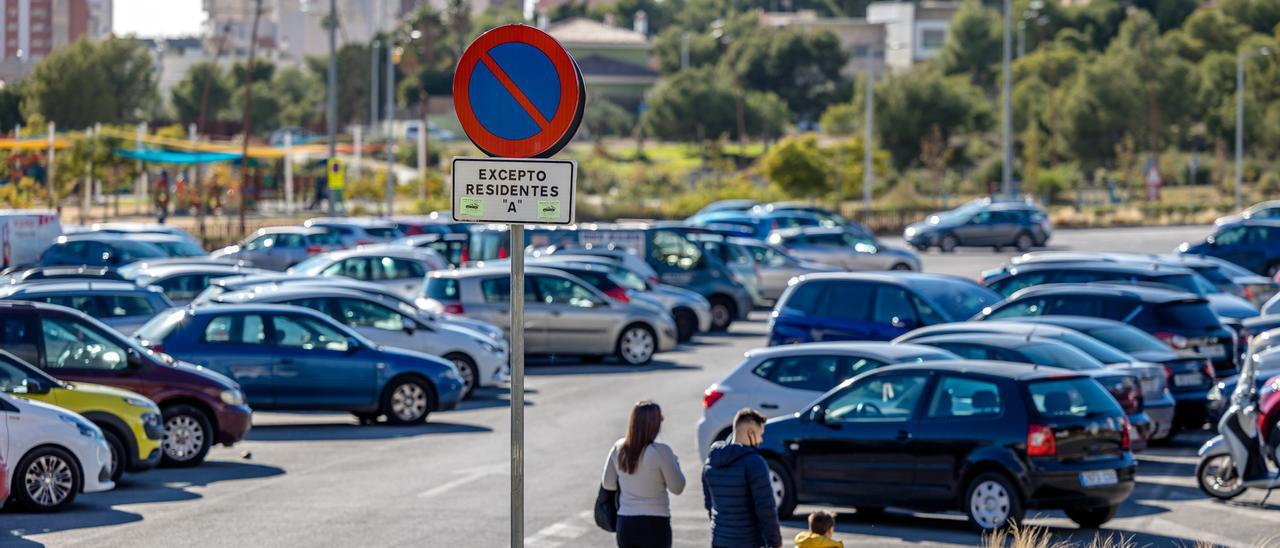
(1149,385)
(1098,478)
(1213,351)
(1187,379)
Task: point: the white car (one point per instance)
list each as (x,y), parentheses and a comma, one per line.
(57,453)
(357,231)
(481,360)
(782,380)
(399,269)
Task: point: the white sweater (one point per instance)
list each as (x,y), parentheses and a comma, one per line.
(644,493)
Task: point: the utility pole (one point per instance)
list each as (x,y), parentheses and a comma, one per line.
(331,109)
(390,120)
(1006,123)
(48,172)
(247,120)
(1239,124)
(373,86)
(868,126)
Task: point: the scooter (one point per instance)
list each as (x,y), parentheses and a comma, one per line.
(1235,460)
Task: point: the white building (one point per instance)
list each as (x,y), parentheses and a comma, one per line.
(289,31)
(913,32)
(32,29)
(857,37)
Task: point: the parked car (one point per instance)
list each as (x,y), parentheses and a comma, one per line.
(737,259)
(1182,320)
(172,245)
(1157,401)
(130,423)
(480,360)
(563,314)
(80,272)
(413,225)
(1188,378)
(451,245)
(622,256)
(56,452)
(1251,243)
(1046,352)
(1269,209)
(804,207)
(182,282)
(280,247)
(398,269)
(983,223)
(357,231)
(782,380)
(199,407)
(727,205)
(1230,277)
(122,305)
(95,249)
(871,307)
(142,228)
(776,267)
(759,225)
(989,439)
(294,358)
(847,248)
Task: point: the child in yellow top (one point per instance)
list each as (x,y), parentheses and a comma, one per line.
(822,525)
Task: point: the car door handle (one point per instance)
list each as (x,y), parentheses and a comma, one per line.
(768,406)
(903,435)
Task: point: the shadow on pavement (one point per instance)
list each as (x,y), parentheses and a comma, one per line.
(354,431)
(605,368)
(97,509)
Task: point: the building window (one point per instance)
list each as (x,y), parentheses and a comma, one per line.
(931,39)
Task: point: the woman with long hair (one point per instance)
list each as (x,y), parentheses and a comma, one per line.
(644,470)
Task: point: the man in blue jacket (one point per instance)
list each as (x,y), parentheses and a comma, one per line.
(736,489)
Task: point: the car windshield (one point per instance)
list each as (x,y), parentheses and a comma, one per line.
(1127,338)
(1059,355)
(1195,316)
(181,248)
(312,265)
(159,327)
(958,299)
(1191,283)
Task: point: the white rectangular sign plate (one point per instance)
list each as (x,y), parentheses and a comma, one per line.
(507,190)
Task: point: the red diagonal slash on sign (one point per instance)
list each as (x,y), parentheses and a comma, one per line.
(514,90)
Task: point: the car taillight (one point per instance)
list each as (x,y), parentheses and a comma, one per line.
(1168,372)
(314,250)
(710,397)
(465,256)
(1124,436)
(654,280)
(618,294)
(1248,292)
(453,308)
(1172,339)
(364,242)
(502,253)
(1128,394)
(1207,368)
(1040,441)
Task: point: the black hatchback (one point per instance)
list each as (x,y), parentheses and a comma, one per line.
(990,439)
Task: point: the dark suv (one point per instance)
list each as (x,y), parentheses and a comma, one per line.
(1182,320)
(199,407)
(982,223)
(990,439)
(1251,243)
(1015,277)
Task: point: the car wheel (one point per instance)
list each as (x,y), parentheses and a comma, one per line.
(118,453)
(1023,242)
(187,436)
(992,502)
(407,401)
(686,324)
(636,345)
(1218,478)
(46,480)
(948,243)
(468,371)
(722,313)
(784,495)
(1092,518)
(901,267)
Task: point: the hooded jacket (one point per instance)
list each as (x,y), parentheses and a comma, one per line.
(806,539)
(737,493)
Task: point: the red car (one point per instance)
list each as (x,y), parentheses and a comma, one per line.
(199,407)
(1269,416)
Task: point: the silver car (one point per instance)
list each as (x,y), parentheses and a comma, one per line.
(847,248)
(182,282)
(481,361)
(357,231)
(563,315)
(281,247)
(398,269)
(121,305)
(776,267)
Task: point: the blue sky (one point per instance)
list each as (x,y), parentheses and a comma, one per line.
(148,18)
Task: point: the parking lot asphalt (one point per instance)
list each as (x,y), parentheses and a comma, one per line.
(323,480)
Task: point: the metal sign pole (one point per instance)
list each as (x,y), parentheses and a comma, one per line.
(517,385)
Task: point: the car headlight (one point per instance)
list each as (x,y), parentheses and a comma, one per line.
(490,348)
(1215,393)
(232,397)
(139,402)
(86,428)
(909,232)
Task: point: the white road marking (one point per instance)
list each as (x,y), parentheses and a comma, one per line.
(560,532)
(467,477)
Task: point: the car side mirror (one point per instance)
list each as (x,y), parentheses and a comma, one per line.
(33,386)
(353,345)
(409,328)
(903,323)
(817,415)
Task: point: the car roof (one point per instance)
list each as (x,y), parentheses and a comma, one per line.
(487,271)
(350,221)
(1137,268)
(1019,329)
(883,350)
(807,230)
(1078,323)
(1252,221)
(288,291)
(306,230)
(381,251)
(907,279)
(63,285)
(134,236)
(999,340)
(260,308)
(110,237)
(1008,370)
(163,270)
(1150,294)
(1111,258)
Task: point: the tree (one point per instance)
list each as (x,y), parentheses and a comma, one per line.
(11,107)
(803,68)
(300,95)
(669,45)
(190,91)
(974,43)
(1260,15)
(908,106)
(1169,14)
(353,80)
(108,81)
(701,103)
(839,119)
(798,167)
(603,117)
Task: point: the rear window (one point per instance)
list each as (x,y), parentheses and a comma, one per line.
(442,289)
(1078,397)
(383,232)
(1189,315)
(1190,283)
(804,298)
(1060,355)
(161,326)
(1128,339)
(181,248)
(959,300)
(324,238)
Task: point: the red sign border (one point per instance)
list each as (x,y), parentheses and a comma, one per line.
(563,125)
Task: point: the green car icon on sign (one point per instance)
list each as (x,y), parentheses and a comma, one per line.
(548,210)
(472,207)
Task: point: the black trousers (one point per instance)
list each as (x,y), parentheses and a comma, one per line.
(644,532)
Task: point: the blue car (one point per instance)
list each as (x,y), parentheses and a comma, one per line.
(872,307)
(1251,243)
(294,358)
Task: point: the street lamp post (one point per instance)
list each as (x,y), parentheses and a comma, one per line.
(1240,59)
(1006,125)
(869,113)
(331,112)
(390,121)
